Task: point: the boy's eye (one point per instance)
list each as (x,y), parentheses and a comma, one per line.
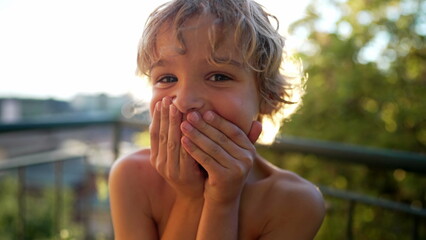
(167,79)
(219,78)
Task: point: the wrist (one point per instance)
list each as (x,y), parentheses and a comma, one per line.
(223,200)
(219,220)
(224,206)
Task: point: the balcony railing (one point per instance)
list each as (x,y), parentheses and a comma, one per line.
(59,159)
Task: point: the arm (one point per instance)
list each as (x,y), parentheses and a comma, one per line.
(219,221)
(178,169)
(184,219)
(227,154)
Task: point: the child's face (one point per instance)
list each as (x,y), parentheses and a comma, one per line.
(195,85)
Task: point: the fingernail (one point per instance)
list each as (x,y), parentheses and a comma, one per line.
(157,106)
(208,116)
(187,126)
(186,141)
(166,101)
(193,116)
(173,109)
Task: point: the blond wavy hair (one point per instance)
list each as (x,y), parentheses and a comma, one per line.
(279,78)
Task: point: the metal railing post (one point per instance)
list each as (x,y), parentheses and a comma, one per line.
(21,203)
(416,227)
(58,197)
(349,226)
(116,139)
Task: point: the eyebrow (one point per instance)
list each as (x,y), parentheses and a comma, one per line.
(219,60)
(158,63)
(230,61)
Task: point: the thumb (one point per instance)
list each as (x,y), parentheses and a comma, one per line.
(255,130)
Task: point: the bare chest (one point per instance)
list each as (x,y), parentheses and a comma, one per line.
(252,213)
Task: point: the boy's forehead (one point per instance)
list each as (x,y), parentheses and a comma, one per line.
(196,35)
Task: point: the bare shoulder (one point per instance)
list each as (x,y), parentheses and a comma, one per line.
(300,195)
(133,175)
(127,176)
(296,207)
(135,159)
(130,166)
(130,196)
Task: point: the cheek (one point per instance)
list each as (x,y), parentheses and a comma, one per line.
(239,111)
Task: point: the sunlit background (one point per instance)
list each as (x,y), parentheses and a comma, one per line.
(57,49)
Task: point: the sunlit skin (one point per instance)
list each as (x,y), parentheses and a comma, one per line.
(204,115)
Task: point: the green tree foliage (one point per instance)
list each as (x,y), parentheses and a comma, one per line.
(366,61)
(367,74)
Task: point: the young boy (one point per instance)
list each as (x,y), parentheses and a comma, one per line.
(214,66)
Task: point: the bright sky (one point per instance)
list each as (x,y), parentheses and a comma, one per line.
(58,48)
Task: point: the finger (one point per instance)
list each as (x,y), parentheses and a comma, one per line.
(164,125)
(212,133)
(255,131)
(207,162)
(206,146)
(163,132)
(233,132)
(154,129)
(173,141)
(188,165)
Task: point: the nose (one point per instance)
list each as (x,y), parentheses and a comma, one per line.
(188,97)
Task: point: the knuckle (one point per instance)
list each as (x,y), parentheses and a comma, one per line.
(183,154)
(163,138)
(171,145)
(236,133)
(195,133)
(153,132)
(249,162)
(203,126)
(171,175)
(241,173)
(205,159)
(247,159)
(159,166)
(238,172)
(215,149)
(223,139)
(218,122)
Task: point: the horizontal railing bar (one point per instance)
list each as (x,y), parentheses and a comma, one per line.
(348,153)
(41,158)
(70,123)
(383,203)
(390,159)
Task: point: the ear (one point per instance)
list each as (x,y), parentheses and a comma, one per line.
(255,130)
